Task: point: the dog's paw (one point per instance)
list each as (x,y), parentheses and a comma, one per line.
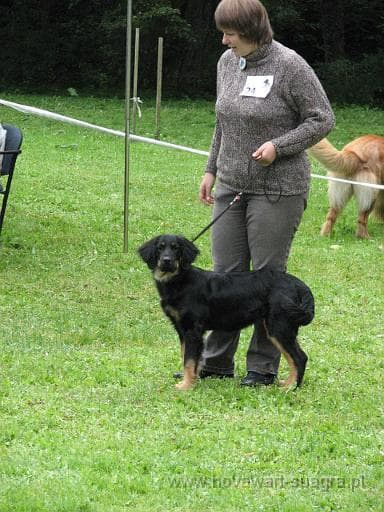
(326,229)
(362,232)
(288,385)
(184,385)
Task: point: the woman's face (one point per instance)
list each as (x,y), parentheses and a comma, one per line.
(240,46)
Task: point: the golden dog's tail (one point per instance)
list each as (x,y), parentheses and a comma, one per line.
(342,163)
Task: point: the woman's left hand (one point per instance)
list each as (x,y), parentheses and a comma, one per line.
(266,154)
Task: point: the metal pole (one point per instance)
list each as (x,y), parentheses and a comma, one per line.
(135,80)
(159,83)
(127,121)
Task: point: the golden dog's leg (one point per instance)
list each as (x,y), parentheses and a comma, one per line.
(365,198)
(329,221)
(338,195)
(362,222)
(190,376)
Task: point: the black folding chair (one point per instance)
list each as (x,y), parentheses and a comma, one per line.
(13,141)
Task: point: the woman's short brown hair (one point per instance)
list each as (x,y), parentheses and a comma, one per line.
(247,17)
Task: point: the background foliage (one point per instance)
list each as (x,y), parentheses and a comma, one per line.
(58,44)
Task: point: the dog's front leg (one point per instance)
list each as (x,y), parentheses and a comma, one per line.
(192,347)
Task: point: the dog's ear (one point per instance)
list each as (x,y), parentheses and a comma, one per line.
(189,251)
(147,252)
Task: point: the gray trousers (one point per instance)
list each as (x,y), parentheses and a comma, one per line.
(259,231)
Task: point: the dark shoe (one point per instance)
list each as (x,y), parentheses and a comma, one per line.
(257,379)
(205,373)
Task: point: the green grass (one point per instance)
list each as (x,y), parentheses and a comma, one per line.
(90,420)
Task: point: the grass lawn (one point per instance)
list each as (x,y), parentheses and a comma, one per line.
(90,420)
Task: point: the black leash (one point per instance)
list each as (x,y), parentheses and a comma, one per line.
(236,199)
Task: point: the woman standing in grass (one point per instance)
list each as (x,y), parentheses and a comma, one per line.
(270,108)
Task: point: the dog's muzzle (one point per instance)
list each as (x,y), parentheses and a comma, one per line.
(167,264)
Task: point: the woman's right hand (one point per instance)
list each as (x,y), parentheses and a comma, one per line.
(206,186)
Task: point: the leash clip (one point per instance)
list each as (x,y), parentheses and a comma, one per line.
(237,198)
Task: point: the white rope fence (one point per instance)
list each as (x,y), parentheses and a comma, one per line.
(58,117)
(65,119)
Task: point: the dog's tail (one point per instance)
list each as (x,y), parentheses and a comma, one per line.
(341,163)
(301,309)
(307,304)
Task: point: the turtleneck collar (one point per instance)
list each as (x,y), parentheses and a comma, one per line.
(259,54)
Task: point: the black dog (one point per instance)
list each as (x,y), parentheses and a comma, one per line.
(197,300)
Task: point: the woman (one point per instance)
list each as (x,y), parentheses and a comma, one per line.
(270,108)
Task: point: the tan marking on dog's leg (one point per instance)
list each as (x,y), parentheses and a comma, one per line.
(190,376)
(292,377)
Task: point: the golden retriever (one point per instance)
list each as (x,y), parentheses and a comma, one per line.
(361,160)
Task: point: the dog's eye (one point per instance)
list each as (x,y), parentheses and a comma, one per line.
(174,246)
(161,246)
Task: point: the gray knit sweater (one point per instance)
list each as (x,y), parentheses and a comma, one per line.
(294,115)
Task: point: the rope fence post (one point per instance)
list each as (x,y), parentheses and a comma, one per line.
(127,122)
(135,98)
(159,85)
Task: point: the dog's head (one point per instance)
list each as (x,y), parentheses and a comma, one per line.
(167,255)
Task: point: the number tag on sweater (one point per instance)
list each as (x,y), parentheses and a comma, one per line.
(257,86)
